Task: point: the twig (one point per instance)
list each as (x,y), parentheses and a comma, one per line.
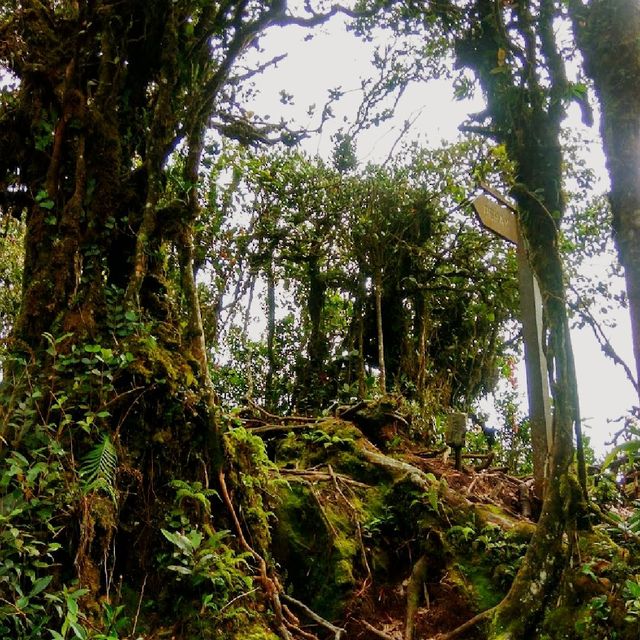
(270,586)
(325,517)
(398,417)
(321,475)
(605,344)
(339,632)
(350,411)
(471,487)
(272,416)
(242,595)
(135,619)
(376,632)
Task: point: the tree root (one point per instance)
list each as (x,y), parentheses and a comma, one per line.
(278,419)
(363,549)
(339,632)
(265,429)
(376,632)
(414,594)
(463,628)
(270,585)
(309,474)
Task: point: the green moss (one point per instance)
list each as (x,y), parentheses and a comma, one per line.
(255,631)
(478,583)
(493,514)
(319,550)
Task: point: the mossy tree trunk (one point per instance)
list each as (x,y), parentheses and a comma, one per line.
(608,35)
(101,139)
(524,112)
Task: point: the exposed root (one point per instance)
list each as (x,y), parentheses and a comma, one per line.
(321,475)
(339,632)
(281,420)
(468,625)
(376,632)
(323,513)
(356,520)
(264,429)
(271,586)
(414,594)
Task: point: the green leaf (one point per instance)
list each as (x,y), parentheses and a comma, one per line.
(99,467)
(40,585)
(633,446)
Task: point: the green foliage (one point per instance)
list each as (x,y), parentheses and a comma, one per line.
(491,547)
(33,490)
(631,596)
(322,237)
(432,495)
(98,468)
(255,478)
(194,492)
(205,561)
(11,255)
(597,617)
(328,441)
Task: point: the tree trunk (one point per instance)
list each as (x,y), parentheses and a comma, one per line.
(379,329)
(529,126)
(110,330)
(607,34)
(270,399)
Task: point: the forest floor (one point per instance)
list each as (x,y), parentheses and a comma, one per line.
(386,538)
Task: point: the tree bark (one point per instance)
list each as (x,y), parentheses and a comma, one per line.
(608,34)
(379,330)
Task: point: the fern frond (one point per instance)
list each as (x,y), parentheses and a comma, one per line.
(98,469)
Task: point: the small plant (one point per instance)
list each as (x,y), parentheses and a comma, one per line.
(67,606)
(377,525)
(194,492)
(207,562)
(631,596)
(327,440)
(596,616)
(98,468)
(461,533)
(431,496)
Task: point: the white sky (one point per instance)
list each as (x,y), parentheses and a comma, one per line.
(335,58)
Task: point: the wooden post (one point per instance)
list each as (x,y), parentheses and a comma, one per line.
(503,221)
(536,367)
(455,435)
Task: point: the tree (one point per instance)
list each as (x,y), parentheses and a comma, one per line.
(607,34)
(512,52)
(102,131)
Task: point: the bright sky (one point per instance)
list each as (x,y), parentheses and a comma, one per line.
(335,58)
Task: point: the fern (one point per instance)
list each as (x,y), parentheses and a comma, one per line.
(98,470)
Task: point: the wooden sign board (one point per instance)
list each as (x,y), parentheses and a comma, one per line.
(502,220)
(497,218)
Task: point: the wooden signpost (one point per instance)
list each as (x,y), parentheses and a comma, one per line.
(500,217)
